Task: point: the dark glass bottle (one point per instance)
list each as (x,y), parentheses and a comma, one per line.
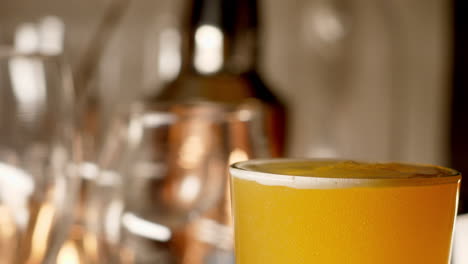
(220,51)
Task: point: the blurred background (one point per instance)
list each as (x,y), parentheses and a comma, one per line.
(394,95)
(362,79)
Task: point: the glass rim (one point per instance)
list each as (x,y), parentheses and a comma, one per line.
(155,114)
(240,170)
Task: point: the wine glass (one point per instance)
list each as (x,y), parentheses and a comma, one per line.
(164,166)
(37,180)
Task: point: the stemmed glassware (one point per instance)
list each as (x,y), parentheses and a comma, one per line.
(37,156)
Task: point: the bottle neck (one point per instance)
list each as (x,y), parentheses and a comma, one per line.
(220,35)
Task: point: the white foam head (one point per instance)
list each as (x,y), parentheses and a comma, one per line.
(331,174)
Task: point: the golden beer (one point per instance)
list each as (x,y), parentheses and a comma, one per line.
(343,212)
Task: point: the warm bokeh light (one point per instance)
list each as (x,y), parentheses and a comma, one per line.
(193,148)
(68,254)
(44,222)
(237,155)
(90,244)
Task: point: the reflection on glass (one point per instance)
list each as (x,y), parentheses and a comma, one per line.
(145,228)
(169,60)
(189,188)
(212,232)
(27,74)
(112,216)
(208,49)
(27,38)
(88,170)
(15,186)
(51,32)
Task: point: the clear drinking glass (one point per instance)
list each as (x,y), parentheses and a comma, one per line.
(164,166)
(37,182)
(325,211)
